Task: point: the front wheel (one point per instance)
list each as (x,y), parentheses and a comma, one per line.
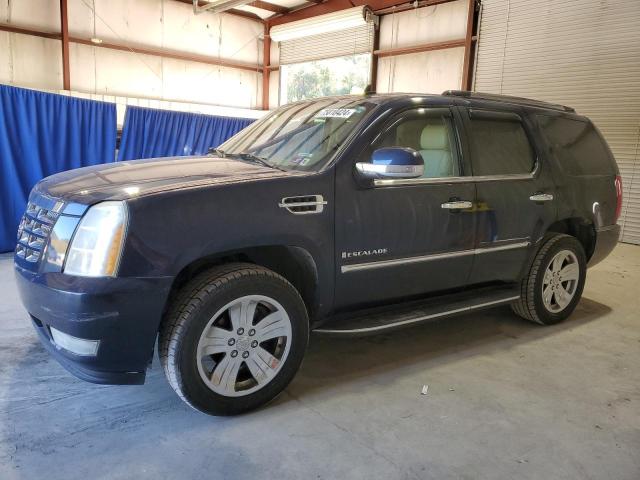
(233,339)
(554,284)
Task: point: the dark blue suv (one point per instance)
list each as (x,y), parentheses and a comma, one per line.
(343,215)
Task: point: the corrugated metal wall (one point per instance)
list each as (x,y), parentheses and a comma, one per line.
(582,53)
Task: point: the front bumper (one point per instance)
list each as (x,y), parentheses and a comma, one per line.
(123,314)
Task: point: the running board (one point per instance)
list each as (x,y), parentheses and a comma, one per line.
(375,321)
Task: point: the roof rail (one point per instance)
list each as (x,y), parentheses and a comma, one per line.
(508,99)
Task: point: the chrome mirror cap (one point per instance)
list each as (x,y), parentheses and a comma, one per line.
(376,171)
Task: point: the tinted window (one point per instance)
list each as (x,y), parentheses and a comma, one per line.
(577,146)
(499,145)
(429,132)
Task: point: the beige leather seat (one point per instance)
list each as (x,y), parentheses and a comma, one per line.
(436,151)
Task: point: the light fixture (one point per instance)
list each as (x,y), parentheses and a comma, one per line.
(218,6)
(95,40)
(330,22)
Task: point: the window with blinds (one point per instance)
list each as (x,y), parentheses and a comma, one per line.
(351,41)
(335,63)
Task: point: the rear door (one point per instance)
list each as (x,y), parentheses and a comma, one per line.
(515,200)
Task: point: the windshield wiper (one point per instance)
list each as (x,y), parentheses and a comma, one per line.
(250,157)
(217,151)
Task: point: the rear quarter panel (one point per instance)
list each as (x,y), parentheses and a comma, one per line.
(589,196)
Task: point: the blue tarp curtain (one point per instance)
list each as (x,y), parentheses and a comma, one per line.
(42,134)
(150,133)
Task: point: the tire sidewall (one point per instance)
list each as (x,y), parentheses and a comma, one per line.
(198,394)
(564,243)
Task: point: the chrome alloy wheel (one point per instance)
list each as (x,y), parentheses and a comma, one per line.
(244,345)
(560,281)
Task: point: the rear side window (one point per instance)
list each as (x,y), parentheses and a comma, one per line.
(577,146)
(499,144)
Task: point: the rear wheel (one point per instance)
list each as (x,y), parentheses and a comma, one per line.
(233,339)
(554,284)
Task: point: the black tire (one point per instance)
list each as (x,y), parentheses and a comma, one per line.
(190,312)
(531,306)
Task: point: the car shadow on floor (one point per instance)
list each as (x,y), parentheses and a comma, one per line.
(34,384)
(332,359)
(45,411)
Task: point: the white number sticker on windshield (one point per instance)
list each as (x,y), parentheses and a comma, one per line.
(335,113)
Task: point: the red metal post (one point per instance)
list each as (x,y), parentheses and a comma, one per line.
(266,63)
(468,45)
(64,30)
(373,81)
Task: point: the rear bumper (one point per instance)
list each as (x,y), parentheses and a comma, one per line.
(606,241)
(123,314)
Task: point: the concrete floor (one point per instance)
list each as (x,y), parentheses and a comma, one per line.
(506,399)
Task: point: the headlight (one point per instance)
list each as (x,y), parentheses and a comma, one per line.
(97,243)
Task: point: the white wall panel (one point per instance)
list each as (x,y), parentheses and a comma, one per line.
(585,54)
(143,78)
(438,23)
(426,72)
(236,88)
(136,22)
(43,14)
(239,39)
(36,63)
(31,62)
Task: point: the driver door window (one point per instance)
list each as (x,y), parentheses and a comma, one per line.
(431,133)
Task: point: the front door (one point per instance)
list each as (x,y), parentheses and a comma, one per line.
(402,238)
(515,192)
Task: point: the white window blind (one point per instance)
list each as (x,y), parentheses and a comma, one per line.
(345,42)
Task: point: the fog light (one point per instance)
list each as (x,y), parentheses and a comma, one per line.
(76,345)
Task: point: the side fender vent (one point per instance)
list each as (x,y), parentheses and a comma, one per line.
(304,204)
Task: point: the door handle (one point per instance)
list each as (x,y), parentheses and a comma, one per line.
(457,204)
(541,197)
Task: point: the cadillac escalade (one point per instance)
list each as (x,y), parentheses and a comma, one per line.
(344,215)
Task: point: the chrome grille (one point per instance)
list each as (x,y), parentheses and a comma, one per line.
(34,230)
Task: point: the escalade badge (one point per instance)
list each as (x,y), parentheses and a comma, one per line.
(364,253)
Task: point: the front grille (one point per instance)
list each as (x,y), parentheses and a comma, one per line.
(34,230)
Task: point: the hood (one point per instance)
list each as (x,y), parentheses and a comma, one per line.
(123,180)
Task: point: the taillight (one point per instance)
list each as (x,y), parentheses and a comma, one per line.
(618,197)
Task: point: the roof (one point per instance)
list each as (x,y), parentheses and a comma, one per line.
(527,102)
(459,97)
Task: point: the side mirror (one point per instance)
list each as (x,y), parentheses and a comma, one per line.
(392,162)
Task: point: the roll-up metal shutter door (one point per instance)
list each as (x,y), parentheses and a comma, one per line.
(335,44)
(582,53)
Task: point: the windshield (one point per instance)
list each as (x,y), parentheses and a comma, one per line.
(302,136)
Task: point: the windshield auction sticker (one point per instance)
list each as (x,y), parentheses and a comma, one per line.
(335,113)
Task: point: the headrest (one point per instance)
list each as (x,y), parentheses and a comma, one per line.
(434,137)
